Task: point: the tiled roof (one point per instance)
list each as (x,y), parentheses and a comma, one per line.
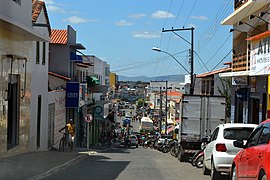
(259,36)
(227,69)
(37,6)
(83,65)
(173,93)
(58,36)
(59,76)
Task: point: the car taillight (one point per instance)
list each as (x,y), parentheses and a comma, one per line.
(221,147)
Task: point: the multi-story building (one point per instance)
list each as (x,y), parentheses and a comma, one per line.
(250,67)
(24,37)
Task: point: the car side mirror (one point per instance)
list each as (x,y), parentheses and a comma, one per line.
(239,144)
(205,140)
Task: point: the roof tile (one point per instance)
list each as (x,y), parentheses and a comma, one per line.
(58,36)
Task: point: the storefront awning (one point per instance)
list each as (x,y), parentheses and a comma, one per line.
(92,80)
(234,74)
(75,57)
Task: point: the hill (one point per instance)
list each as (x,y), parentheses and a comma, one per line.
(173,78)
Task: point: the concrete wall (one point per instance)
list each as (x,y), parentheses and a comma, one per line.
(9,44)
(18,13)
(39,87)
(58,98)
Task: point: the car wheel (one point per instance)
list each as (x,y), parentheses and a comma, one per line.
(262,176)
(205,170)
(215,175)
(234,175)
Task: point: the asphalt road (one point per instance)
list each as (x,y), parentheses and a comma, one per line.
(130,164)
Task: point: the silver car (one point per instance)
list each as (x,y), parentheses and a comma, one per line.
(219,152)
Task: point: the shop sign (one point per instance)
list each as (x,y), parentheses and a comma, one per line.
(239,80)
(260,56)
(72,94)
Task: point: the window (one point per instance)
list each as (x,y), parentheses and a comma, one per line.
(264,138)
(254,137)
(237,133)
(37,52)
(38,121)
(214,135)
(44,53)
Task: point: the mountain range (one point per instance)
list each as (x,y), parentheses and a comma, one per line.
(172,78)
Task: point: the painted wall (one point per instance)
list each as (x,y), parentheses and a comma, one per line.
(58,98)
(39,87)
(9,44)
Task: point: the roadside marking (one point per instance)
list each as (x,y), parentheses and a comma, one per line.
(57,168)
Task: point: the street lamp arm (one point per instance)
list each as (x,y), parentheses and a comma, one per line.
(175,60)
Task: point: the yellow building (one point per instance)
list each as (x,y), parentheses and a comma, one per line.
(113,80)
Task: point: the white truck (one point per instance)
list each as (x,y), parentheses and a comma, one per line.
(199,115)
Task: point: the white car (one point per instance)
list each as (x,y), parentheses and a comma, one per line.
(134,140)
(220,152)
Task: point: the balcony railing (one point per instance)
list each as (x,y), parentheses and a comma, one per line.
(239,3)
(241,62)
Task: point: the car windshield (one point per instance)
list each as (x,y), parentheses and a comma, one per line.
(237,133)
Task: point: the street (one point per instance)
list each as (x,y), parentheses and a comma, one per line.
(130,163)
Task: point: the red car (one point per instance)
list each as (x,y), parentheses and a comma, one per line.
(253,161)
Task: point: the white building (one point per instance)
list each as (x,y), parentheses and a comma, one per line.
(19,120)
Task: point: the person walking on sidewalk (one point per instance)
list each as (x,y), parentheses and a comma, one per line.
(70,129)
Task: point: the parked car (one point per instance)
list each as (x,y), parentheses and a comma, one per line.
(252,162)
(219,152)
(133,140)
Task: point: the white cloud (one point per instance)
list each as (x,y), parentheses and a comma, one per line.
(123,23)
(145,35)
(162,15)
(49,1)
(191,25)
(136,16)
(201,18)
(75,20)
(55,8)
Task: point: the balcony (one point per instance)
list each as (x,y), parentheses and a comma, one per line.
(241,62)
(243,9)
(239,3)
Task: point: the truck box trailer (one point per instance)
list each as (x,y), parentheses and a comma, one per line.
(199,115)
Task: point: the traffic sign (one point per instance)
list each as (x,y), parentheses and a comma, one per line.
(88,118)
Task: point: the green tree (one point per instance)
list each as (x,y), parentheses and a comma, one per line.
(225,90)
(140,103)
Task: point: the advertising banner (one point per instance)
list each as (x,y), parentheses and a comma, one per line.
(260,54)
(72,94)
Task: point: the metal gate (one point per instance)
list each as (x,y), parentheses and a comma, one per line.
(51,115)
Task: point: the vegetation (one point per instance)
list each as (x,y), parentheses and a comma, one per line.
(225,90)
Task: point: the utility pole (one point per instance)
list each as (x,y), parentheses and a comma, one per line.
(191,55)
(166,108)
(160,110)
(166,104)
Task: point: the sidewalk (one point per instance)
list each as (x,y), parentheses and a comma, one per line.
(35,165)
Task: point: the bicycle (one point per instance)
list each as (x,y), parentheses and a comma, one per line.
(63,144)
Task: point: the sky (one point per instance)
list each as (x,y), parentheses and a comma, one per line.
(123,33)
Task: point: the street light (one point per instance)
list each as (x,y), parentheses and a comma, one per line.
(159,50)
(260,17)
(241,22)
(232,30)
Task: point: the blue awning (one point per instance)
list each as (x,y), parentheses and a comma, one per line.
(75,57)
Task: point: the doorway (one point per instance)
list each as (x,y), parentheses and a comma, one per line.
(255,109)
(13,98)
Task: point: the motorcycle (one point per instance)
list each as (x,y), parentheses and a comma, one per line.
(148,143)
(197,159)
(174,148)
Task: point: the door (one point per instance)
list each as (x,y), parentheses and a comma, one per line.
(255,108)
(51,116)
(209,148)
(13,111)
(257,153)
(246,156)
